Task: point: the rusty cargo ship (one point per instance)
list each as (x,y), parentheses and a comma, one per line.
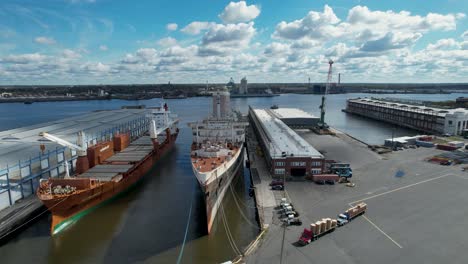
(106,169)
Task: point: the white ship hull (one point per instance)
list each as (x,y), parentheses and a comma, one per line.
(215,183)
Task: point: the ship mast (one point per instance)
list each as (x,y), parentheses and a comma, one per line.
(322,123)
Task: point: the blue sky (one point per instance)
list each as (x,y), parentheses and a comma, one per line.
(106,41)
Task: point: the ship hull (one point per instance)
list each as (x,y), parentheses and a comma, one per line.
(67,210)
(216,189)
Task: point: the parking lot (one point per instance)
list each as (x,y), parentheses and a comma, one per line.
(416,214)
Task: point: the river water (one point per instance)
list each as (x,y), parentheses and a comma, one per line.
(148,225)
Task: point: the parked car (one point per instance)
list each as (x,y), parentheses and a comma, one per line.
(276,182)
(277,187)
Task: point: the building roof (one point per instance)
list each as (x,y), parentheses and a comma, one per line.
(404,139)
(23,143)
(291,113)
(283,139)
(410,108)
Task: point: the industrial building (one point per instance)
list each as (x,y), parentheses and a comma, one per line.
(26,157)
(427,119)
(295,118)
(243,86)
(287,153)
(402,141)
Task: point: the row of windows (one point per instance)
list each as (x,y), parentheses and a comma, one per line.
(279,171)
(298,163)
(282,171)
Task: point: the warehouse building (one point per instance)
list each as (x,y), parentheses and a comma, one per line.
(295,118)
(287,153)
(427,119)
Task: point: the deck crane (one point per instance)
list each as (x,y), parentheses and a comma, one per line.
(322,123)
(82,163)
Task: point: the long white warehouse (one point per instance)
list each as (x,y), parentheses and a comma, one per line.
(427,119)
(287,153)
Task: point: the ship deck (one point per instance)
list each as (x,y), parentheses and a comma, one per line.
(135,152)
(205,164)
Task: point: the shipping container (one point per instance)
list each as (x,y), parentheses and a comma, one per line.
(446,147)
(425,138)
(325,177)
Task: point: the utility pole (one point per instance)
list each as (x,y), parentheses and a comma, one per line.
(284,224)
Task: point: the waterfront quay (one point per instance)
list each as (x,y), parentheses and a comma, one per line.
(427,119)
(415,210)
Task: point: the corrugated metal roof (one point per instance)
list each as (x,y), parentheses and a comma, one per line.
(283,138)
(291,113)
(27,144)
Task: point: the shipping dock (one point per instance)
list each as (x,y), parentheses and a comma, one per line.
(400,189)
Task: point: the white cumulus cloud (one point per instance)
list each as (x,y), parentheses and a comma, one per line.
(70,54)
(197,27)
(223,39)
(167,42)
(103,48)
(363,24)
(465,35)
(171,26)
(443,43)
(45,40)
(236,12)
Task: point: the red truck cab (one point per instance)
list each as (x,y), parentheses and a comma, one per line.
(306,237)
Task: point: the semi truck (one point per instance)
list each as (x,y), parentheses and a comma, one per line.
(317,230)
(351,213)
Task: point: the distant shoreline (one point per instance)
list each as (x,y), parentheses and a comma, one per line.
(29,100)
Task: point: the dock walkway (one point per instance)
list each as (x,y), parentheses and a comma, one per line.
(261,177)
(18,215)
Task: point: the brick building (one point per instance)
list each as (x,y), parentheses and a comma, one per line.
(287,153)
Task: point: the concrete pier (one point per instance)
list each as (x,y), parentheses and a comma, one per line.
(17,216)
(264,196)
